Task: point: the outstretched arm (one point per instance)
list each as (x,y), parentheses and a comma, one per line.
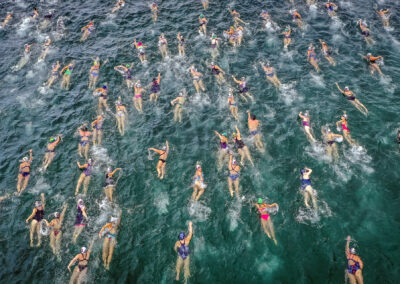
(31,216)
(166,143)
(189,237)
(347,250)
(337,85)
(43,200)
(63,213)
(236,81)
(30,156)
(73,262)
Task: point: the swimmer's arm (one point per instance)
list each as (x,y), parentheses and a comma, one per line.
(58,139)
(94,123)
(217,133)
(340,90)
(220,69)
(236,81)
(120,217)
(73,262)
(347,250)
(166,143)
(63,213)
(30,156)
(33,214)
(361,263)
(230,162)
(102,229)
(159,78)
(174,101)
(115,171)
(43,200)
(271,205)
(337,123)
(248,115)
(84,28)
(237,131)
(84,212)
(375,58)
(189,237)
(176,246)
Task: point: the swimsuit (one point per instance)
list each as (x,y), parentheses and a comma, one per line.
(128,74)
(109,180)
(25,174)
(234,176)
(305,183)
(223,145)
(215,71)
(141,50)
(344,127)
(183,251)
(82,266)
(88,170)
(305,123)
(269,73)
(155,88)
(353,268)
(254,132)
(110,236)
(243,88)
(263,216)
(365,33)
(99,124)
(39,215)
(351,98)
(95,71)
(80,219)
(239,143)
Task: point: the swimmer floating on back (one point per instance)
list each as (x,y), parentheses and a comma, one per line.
(234,176)
(253,125)
(287,39)
(232,104)
(223,148)
(141,50)
(126,71)
(7,19)
(80,220)
(162,160)
(331,8)
(296,18)
(243,89)
(97,126)
(270,74)
(154,11)
(67,70)
(120,114)
(56,232)
(137,98)
(24,173)
(384,15)
(155,88)
(79,274)
(94,73)
(54,74)
(217,72)
(351,97)
(312,57)
(307,127)
(102,94)
(83,145)
(202,24)
(181,44)
(110,184)
(330,139)
(118,5)
(197,79)
(306,189)
(163,45)
(266,222)
(205,4)
(365,31)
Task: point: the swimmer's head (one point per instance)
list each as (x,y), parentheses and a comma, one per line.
(369,54)
(128,66)
(181,236)
(201,16)
(286,29)
(230,95)
(302,171)
(310,47)
(234,162)
(243,78)
(346,88)
(25,159)
(38,203)
(306,113)
(353,251)
(198,166)
(83,250)
(212,64)
(264,11)
(344,116)
(260,201)
(109,170)
(180,94)
(164,147)
(84,128)
(113,219)
(224,134)
(139,43)
(90,23)
(328,130)
(118,103)
(80,202)
(214,36)
(52,139)
(90,161)
(105,87)
(95,63)
(138,85)
(162,35)
(253,117)
(57,214)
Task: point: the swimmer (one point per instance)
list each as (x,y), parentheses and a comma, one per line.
(35,13)
(342,125)
(232,105)
(56,233)
(327,53)
(331,8)
(306,189)
(243,89)
(233,177)
(205,4)
(67,70)
(330,139)
(312,57)
(242,148)
(218,73)
(287,40)
(214,45)
(236,17)
(253,125)
(126,71)
(384,15)
(24,173)
(366,32)
(265,17)
(87,30)
(197,79)
(94,73)
(231,34)
(97,126)
(154,11)
(163,45)
(24,59)
(307,127)
(120,114)
(50,151)
(110,184)
(45,50)
(266,222)
(109,231)
(83,145)
(181,44)
(80,271)
(155,88)
(350,96)
(178,102)
(7,19)
(239,34)
(102,93)
(162,160)
(137,98)
(37,216)
(372,63)
(85,176)
(182,248)
(141,49)
(54,74)
(354,264)
(80,220)
(202,25)
(198,183)
(118,5)
(296,18)
(270,74)
(223,148)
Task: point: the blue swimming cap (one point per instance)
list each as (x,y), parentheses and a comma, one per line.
(105,87)
(302,171)
(181,236)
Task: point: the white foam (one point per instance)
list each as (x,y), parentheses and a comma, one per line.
(162,202)
(199,211)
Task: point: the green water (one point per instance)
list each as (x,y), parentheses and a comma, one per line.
(358,195)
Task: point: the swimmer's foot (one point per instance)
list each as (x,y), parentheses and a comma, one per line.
(38,245)
(31,244)
(276,242)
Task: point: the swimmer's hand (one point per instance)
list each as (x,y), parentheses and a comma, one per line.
(348,238)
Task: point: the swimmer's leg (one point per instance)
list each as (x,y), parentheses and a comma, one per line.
(236,183)
(110,254)
(186,268)
(86,184)
(32,230)
(179,263)
(53,242)
(26,179)
(247,152)
(270,225)
(74,275)
(230,186)
(106,244)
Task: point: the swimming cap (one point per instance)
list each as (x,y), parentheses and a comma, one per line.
(286,29)
(345,116)
(109,170)
(224,134)
(25,159)
(80,201)
(328,130)
(369,54)
(38,203)
(127,66)
(57,214)
(113,220)
(346,88)
(212,64)
(234,161)
(302,171)
(260,201)
(138,85)
(181,236)
(201,16)
(198,166)
(214,36)
(83,250)
(164,147)
(104,87)
(180,94)
(353,251)
(90,161)
(139,43)
(52,139)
